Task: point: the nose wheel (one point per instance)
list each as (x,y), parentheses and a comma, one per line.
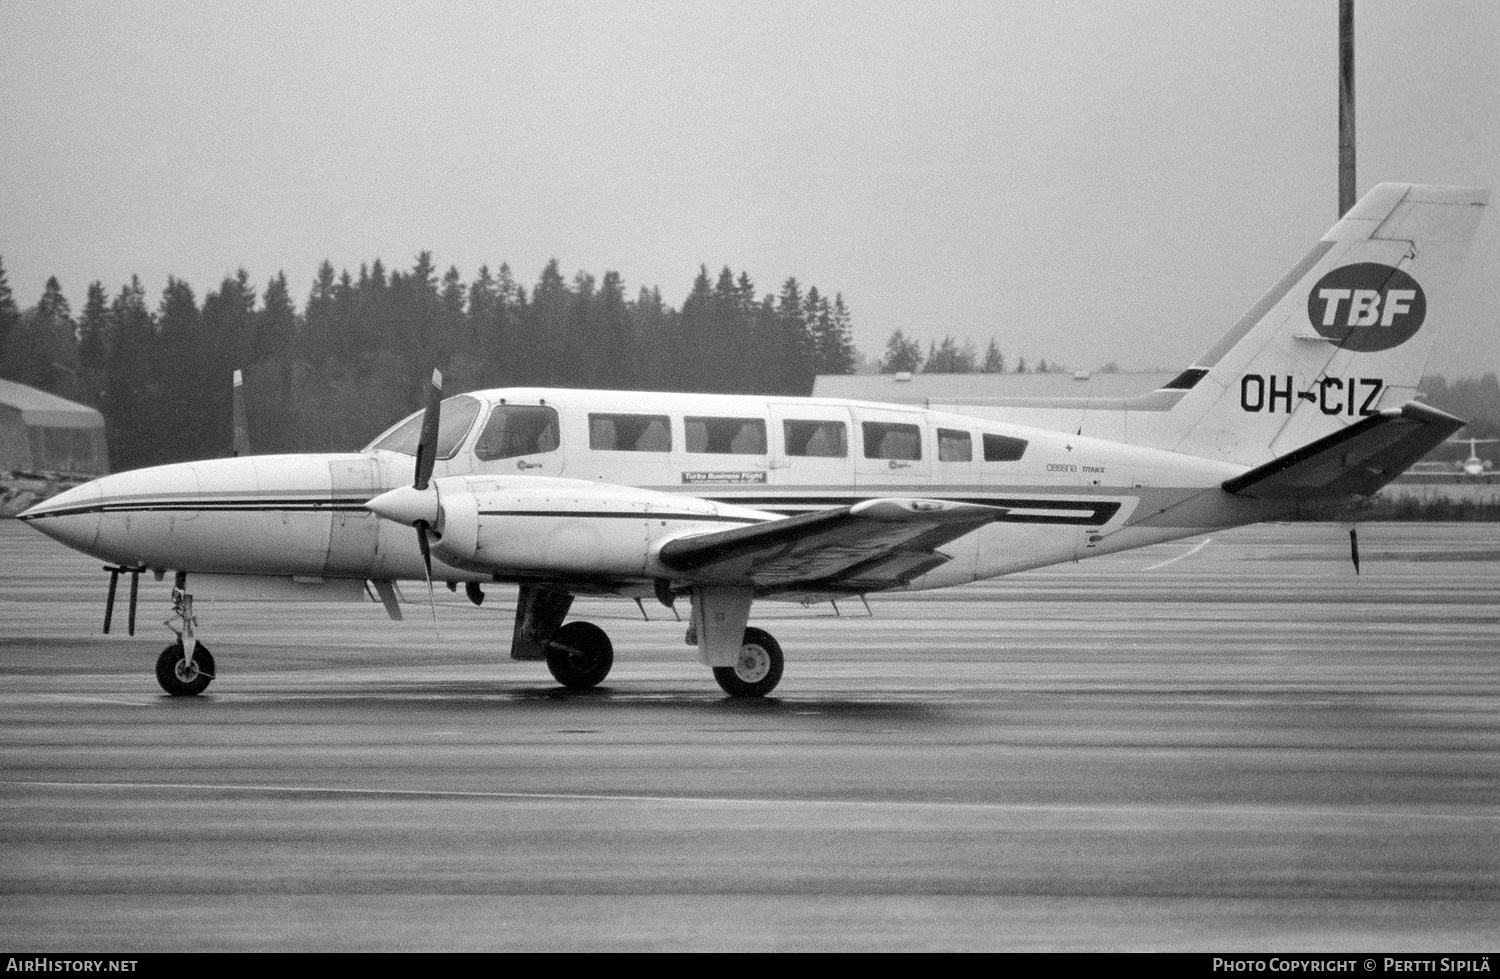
(757,670)
(183,677)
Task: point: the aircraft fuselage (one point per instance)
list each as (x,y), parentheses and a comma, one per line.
(569,463)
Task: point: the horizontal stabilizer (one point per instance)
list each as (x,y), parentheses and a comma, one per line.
(1354,461)
(870,545)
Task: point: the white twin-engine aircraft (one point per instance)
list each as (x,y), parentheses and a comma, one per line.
(1309,400)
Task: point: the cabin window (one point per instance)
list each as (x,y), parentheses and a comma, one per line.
(726,436)
(517,430)
(823,439)
(1003,448)
(892,440)
(954,446)
(457,418)
(630,433)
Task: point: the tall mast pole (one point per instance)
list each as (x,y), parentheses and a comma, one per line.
(1346,106)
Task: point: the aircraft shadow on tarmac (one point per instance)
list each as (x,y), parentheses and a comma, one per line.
(604,699)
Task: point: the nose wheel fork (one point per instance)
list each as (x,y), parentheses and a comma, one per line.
(185,668)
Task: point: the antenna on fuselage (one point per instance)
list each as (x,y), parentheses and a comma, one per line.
(241,428)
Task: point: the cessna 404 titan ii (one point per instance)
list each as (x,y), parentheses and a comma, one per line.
(717,500)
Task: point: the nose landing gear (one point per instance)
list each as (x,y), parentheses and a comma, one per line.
(185,668)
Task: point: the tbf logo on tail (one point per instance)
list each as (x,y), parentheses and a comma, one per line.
(1367,306)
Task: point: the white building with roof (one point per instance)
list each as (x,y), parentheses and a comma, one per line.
(978,390)
(47,444)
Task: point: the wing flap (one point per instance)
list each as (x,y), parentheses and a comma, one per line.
(873,544)
(1355,461)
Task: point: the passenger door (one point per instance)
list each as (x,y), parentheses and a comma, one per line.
(811,454)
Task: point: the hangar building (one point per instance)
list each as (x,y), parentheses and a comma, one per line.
(47,444)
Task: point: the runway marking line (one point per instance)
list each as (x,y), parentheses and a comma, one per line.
(1173,560)
(733,800)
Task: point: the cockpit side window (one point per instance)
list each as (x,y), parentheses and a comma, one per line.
(457,418)
(517,430)
(1003,448)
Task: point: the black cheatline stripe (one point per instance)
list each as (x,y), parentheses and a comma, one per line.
(1089,513)
(705,518)
(227,506)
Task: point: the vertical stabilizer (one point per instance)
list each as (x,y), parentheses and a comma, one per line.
(1345,333)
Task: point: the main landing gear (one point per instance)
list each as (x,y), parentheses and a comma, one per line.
(579,654)
(185,668)
(757,670)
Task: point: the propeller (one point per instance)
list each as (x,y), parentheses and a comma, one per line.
(418,505)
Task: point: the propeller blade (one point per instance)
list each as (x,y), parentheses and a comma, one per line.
(426,549)
(427,443)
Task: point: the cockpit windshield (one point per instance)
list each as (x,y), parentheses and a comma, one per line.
(457,418)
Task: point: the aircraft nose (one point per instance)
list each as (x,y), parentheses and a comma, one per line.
(71,517)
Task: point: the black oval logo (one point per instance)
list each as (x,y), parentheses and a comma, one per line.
(1367,306)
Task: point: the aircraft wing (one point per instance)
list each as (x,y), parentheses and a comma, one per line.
(1355,461)
(865,547)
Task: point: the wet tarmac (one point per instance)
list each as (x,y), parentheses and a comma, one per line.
(1230,744)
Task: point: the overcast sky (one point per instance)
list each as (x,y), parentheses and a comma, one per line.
(1084,181)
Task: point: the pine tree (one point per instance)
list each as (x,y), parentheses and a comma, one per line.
(833,351)
(902,355)
(544,354)
(318,339)
(227,331)
(994,360)
(838,354)
(93,345)
(130,396)
(10,321)
(38,349)
(617,369)
(692,351)
(951,357)
(180,380)
(794,353)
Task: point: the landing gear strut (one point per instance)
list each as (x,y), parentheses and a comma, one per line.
(757,670)
(185,668)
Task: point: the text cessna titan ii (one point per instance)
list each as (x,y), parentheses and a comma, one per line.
(723,500)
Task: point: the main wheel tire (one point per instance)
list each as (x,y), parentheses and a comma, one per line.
(580,655)
(181,678)
(757,670)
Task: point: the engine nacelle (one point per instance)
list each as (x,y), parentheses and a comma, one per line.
(568,527)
